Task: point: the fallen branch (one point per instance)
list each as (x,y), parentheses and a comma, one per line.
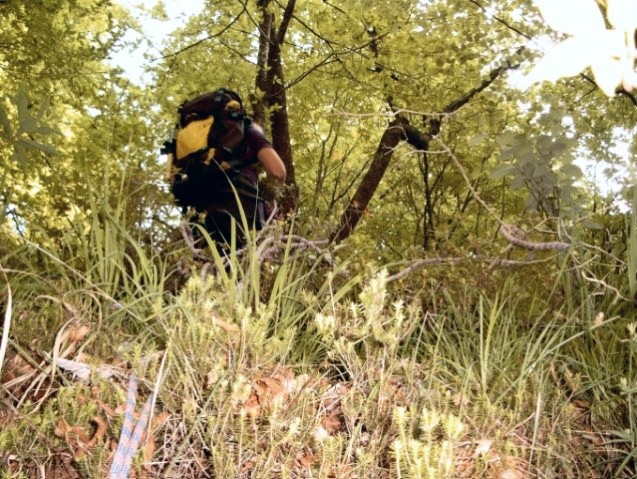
(421,263)
(272,245)
(516,236)
(186,233)
(82,371)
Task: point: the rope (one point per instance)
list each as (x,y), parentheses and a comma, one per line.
(131,434)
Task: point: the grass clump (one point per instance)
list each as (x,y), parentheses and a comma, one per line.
(295,367)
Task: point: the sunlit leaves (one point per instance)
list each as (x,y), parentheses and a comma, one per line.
(610,53)
(632,246)
(622,14)
(53,72)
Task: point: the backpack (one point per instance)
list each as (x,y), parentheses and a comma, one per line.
(195,176)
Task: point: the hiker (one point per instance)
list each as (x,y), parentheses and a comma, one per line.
(218,152)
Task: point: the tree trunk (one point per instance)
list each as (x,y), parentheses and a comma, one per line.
(397,131)
(271,83)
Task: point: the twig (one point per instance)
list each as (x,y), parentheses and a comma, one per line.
(605,285)
(186,233)
(272,244)
(457,260)
(205,39)
(425,262)
(508,231)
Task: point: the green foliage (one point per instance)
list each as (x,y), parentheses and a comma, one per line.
(476,364)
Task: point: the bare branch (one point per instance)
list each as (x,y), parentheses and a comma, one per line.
(421,263)
(500,20)
(209,37)
(516,237)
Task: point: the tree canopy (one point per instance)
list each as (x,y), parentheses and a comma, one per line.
(393,119)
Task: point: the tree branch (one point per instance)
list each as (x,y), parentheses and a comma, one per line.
(209,37)
(421,263)
(400,130)
(517,237)
(498,19)
(393,134)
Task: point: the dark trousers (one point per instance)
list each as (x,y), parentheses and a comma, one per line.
(221,216)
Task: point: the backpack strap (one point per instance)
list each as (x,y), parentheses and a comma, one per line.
(234,156)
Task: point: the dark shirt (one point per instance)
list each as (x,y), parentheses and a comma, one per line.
(253,142)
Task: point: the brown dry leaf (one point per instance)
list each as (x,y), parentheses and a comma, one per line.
(248,465)
(304,458)
(62,428)
(69,433)
(391,395)
(332,424)
(252,407)
(110,412)
(5,419)
(515,468)
(268,387)
(269,392)
(511,474)
(340,471)
(77,439)
(331,400)
(77,332)
(100,431)
(149,447)
(581,404)
(210,378)
(61,467)
(16,367)
(148,450)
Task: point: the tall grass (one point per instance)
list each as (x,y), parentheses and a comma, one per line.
(299,364)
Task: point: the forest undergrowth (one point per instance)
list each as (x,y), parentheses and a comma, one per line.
(304,363)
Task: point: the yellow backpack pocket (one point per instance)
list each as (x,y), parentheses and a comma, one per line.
(193,137)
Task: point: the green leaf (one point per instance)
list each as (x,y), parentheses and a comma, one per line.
(593,225)
(21,100)
(19,156)
(544,146)
(632,246)
(6,124)
(46,130)
(22,105)
(34,145)
(572,171)
(501,171)
(506,140)
(476,139)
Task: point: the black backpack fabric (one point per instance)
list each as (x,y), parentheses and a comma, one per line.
(211,103)
(195,177)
